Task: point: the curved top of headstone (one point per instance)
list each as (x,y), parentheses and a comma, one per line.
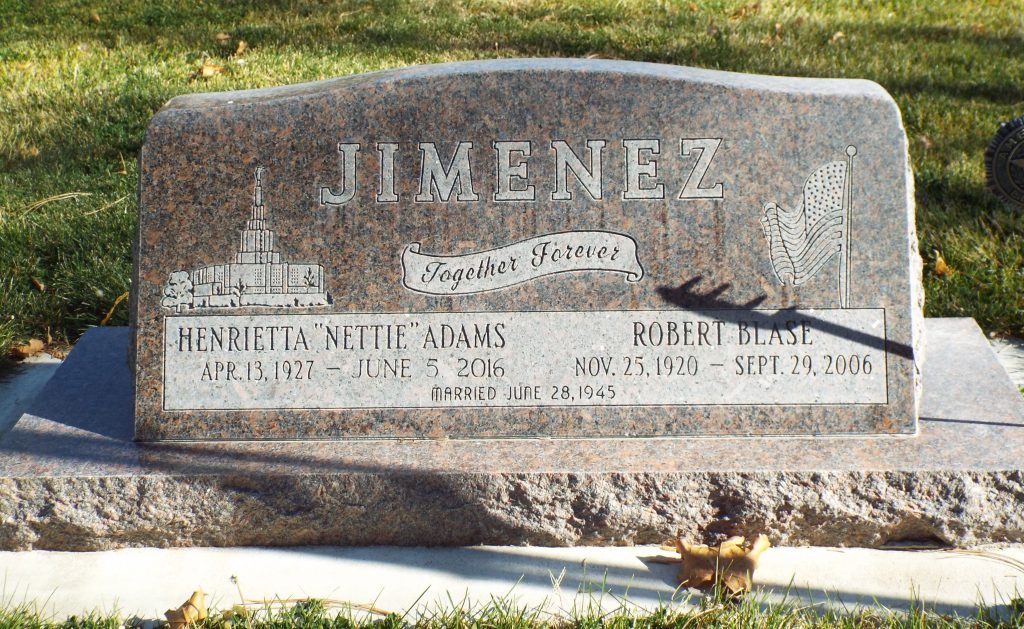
(632,69)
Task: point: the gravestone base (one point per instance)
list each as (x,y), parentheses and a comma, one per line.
(72,478)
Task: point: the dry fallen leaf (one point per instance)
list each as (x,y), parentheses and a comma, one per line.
(730,564)
(209,70)
(192,610)
(222,38)
(744,11)
(941,268)
(39,284)
(241,47)
(836,37)
(776,35)
(33,347)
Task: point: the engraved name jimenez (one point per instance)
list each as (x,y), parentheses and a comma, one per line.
(455,176)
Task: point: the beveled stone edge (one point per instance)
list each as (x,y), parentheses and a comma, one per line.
(735,80)
(849,509)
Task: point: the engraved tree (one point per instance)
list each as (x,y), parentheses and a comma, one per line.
(178,292)
(310,278)
(238,290)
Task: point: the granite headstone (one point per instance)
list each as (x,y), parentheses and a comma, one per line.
(531,249)
(557,248)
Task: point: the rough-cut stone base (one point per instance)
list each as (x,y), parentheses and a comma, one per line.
(71,478)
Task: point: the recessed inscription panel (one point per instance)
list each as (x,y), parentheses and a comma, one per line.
(527,359)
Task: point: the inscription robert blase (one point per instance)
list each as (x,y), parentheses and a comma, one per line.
(421,360)
(639,166)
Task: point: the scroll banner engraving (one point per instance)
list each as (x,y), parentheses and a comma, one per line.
(520,262)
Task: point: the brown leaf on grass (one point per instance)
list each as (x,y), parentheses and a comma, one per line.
(731,564)
(222,38)
(192,610)
(745,10)
(33,347)
(837,37)
(693,7)
(94,17)
(241,47)
(776,35)
(209,70)
(39,284)
(941,268)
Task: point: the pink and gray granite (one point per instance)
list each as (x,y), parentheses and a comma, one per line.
(648,250)
(72,478)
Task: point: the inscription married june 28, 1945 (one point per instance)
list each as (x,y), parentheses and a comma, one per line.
(633,250)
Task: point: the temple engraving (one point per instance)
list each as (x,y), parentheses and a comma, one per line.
(801,241)
(257,277)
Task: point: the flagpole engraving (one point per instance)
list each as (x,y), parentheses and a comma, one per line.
(802,241)
(844,270)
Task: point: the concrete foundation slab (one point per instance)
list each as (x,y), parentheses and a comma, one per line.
(20,385)
(71,478)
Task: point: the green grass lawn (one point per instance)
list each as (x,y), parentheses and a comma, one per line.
(80,80)
(505,614)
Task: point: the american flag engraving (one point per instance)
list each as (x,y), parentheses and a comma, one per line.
(803,240)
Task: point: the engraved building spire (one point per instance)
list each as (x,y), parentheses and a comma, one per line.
(257,244)
(257,196)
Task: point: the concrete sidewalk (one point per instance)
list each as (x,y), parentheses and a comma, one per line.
(143,583)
